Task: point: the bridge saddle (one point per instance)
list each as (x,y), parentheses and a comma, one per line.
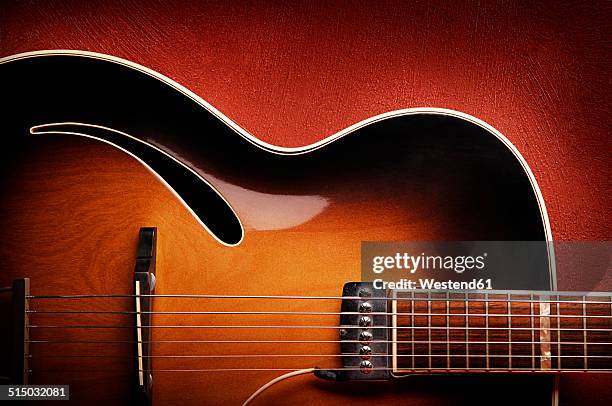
(144,284)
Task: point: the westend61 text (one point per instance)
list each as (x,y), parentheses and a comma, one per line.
(432,284)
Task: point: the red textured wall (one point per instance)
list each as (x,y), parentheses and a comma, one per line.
(294,72)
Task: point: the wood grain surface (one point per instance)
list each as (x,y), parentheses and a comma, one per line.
(294,72)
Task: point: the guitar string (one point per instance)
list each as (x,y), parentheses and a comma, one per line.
(297,342)
(259,356)
(280,297)
(501,301)
(573,370)
(587,357)
(300,313)
(337,327)
(375,313)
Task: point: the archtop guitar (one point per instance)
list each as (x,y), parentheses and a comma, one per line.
(156,253)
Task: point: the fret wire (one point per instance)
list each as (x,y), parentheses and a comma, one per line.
(558,334)
(447,331)
(412,330)
(467,336)
(585,348)
(487,327)
(509,333)
(532,325)
(429,323)
(393,332)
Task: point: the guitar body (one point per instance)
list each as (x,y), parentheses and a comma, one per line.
(72,206)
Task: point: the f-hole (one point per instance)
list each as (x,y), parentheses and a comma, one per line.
(207,205)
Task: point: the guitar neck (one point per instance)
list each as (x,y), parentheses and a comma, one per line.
(501,331)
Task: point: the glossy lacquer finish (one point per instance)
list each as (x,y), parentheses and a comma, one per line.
(71,208)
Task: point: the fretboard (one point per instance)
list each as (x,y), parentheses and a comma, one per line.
(501,331)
